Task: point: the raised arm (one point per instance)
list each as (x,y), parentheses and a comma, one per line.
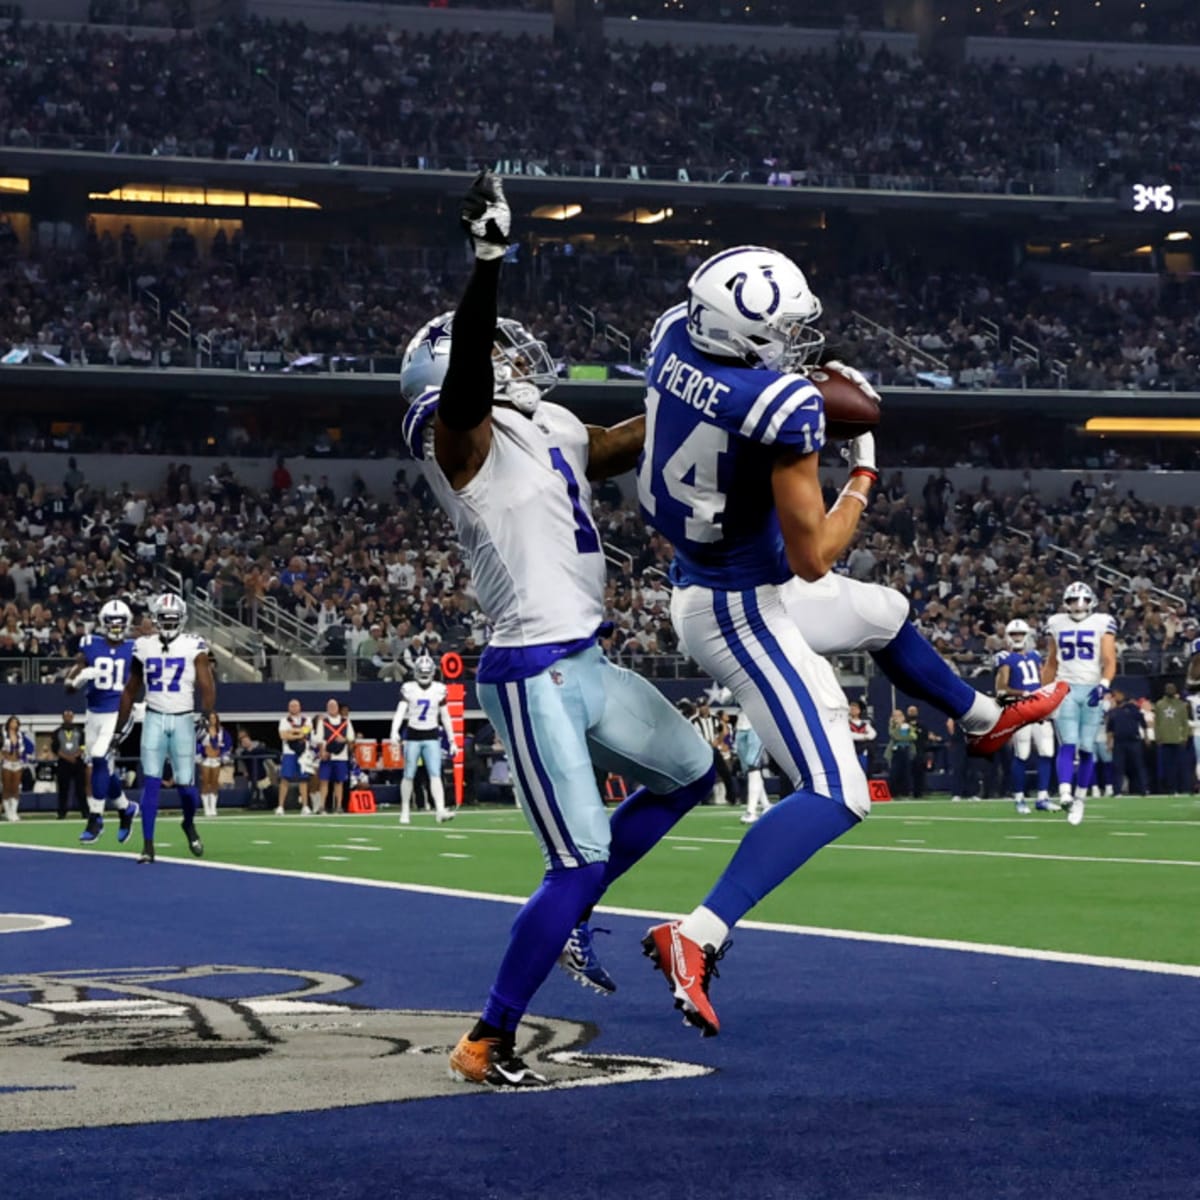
(463,426)
(813,538)
(615,450)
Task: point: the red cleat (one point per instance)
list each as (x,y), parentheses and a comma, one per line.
(688,967)
(1029,710)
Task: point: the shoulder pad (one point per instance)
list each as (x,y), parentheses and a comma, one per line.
(788,411)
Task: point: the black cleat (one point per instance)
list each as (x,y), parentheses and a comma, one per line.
(195,845)
(147,854)
(130,811)
(95,827)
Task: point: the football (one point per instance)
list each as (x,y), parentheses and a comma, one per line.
(849,410)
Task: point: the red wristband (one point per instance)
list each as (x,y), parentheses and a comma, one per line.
(866,472)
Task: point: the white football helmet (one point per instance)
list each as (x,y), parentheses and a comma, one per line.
(755,305)
(1079,600)
(115,620)
(424,669)
(523,368)
(1016,633)
(168,612)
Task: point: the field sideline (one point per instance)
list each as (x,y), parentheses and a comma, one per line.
(1125,884)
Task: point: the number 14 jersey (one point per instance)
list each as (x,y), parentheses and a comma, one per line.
(713,432)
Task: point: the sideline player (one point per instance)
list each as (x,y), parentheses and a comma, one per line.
(514,473)
(295,729)
(1081,650)
(422,713)
(333,739)
(103,665)
(214,749)
(730,476)
(1018,673)
(176,671)
(748,747)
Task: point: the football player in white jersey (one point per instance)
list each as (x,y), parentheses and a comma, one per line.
(422,714)
(1081,650)
(513,473)
(176,671)
(103,666)
(1193,701)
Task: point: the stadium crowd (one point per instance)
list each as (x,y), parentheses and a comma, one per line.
(373,94)
(96,304)
(381,578)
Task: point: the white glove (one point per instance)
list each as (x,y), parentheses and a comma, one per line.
(486,217)
(84,676)
(854,375)
(453,751)
(860,452)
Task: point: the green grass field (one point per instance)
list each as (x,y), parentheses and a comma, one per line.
(1126,883)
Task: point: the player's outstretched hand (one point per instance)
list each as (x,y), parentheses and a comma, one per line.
(859,453)
(855,376)
(1096,695)
(486,217)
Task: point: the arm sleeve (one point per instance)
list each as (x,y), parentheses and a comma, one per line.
(466,396)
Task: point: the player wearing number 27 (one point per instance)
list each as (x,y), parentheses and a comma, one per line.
(176,671)
(1081,650)
(513,472)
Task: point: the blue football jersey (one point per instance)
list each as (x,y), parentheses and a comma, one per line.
(112,670)
(713,432)
(1024,669)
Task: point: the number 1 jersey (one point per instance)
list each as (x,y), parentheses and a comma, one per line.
(169,671)
(525,524)
(713,432)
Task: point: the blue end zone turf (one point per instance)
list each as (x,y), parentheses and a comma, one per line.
(844,1069)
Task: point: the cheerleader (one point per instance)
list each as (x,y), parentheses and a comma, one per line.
(16,751)
(214,749)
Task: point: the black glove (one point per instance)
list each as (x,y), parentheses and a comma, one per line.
(485,216)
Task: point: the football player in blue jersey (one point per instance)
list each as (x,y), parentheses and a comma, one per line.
(513,472)
(103,666)
(1018,673)
(730,475)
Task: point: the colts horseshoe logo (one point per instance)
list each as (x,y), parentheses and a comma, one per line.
(739,282)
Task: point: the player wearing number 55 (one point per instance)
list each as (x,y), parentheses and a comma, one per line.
(514,474)
(176,671)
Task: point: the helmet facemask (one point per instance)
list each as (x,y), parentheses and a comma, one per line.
(522,365)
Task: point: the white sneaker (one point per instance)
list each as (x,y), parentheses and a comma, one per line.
(747,819)
(405,821)
(1108,790)
(306,812)
(279,811)
(445,816)
(1075,812)
(1022,808)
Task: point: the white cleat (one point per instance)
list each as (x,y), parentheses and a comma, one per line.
(1022,808)
(445,816)
(405,820)
(747,819)
(1075,812)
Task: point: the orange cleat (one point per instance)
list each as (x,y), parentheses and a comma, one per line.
(1029,710)
(689,967)
(491,1062)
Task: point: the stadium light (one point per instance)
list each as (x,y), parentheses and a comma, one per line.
(10,183)
(1179,235)
(1145,426)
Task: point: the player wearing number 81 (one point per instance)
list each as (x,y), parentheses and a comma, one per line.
(513,472)
(176,671)
(1081,650)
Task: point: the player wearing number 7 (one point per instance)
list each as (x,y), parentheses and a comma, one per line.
(176,671)
(1081,650)
(513,472)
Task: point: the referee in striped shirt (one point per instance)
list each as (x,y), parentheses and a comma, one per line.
(714,729)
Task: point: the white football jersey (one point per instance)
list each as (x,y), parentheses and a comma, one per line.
(1078,645)
(169,671)
(1194,713)
(525,523)
(423,705)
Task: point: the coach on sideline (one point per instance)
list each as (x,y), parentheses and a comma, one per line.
(66,742)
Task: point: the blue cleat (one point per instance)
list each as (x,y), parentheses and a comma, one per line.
(579,960)
(128,814)
(95,827)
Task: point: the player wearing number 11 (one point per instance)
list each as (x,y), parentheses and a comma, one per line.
(513,472)
(175,668)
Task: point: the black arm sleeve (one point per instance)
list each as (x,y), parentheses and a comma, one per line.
(466,396)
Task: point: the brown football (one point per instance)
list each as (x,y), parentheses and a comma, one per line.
(849,411)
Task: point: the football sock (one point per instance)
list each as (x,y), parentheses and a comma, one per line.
(756,793)
(780,842)
(1065,766)
(406,791)
(1044,765)
(537,938)
(150,789)
(1086,772)
(1018,775)
(189,801)
(95,807)
(918,670)
(100,780)
(643,818)
(704,927)
(437,789)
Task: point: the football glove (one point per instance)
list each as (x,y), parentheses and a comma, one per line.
(486,217)
(859,453)
(855,376)
(1097,694)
